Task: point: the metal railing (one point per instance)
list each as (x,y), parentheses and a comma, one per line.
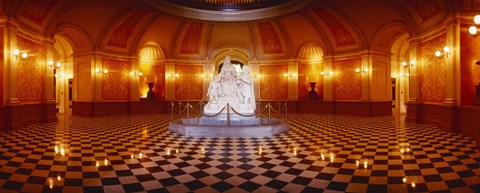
(281,112)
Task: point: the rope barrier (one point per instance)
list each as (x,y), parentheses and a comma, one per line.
(243,115)
(215,114)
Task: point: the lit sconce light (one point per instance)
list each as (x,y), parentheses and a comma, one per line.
(105,162)
(358,70)
(294,151)
(291,75)
(137,74)
(100,71)
(332,158)
(140,155)
(404,180)
(20,54)
(172,76)
(206,77)
(357,163)
(54,66)
(322,156)
(259,150)
(445,52)
(61,75)
(202,150)
(176,150)
(329,73)
(473,30)
(406,64)
(404,75)
(258,76)
(365,164)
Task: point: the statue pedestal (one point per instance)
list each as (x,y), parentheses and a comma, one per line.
(313,93)
(150,93)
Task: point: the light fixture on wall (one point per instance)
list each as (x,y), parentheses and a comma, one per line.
(291,75)
(20,54)
(404,75)
(444,52)
(137,74)
(203,76)
(473,30)
(54,66)
(363,70)
(172,75)
(100,71)
(61,75)
(258,76)
(326,73)
(409,64)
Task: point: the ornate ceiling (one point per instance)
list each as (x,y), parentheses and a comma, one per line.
(228,5)
(270,33)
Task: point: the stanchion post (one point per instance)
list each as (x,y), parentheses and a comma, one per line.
(269,109)
(172,110)
(180,109)
(188,113)
(228,114)
(286,112)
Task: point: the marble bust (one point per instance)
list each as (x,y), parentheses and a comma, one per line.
(232,88)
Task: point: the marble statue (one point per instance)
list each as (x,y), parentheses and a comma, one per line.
(228,87)
(245,87)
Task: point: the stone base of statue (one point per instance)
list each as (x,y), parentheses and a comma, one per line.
(223,126)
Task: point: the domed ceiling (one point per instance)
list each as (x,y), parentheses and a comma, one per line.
(261,29)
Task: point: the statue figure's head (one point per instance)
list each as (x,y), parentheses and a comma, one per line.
(227,60)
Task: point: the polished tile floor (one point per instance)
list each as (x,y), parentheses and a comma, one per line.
(321,153)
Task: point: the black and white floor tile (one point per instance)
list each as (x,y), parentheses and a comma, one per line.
(321,153)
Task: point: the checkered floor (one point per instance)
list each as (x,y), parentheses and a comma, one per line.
(320,153)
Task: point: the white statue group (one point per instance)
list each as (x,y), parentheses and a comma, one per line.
(228,87)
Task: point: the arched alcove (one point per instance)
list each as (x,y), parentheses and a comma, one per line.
(310,57)
(63,74)
(152,65)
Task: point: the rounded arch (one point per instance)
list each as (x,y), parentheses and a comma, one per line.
(384,38)
(236,52)
(310,52)
(76,36)
(151,53)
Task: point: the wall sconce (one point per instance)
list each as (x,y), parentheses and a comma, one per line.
(358,70)
(206,77)
(57,65)
(20,55)
(404,75)
(326,73)
(445,52)
(406,65)
(138,74)
(172,76)
(291,75)
(258,76)
(473,30)
(62,75)
(100,71)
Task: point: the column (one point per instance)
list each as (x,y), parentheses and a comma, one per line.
(366,77)
(453,63)
(292,81)
(328,80)
(135,81)
(170,81)
(10,66)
